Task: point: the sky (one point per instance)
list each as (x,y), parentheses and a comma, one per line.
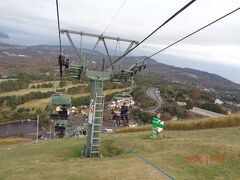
(215,49)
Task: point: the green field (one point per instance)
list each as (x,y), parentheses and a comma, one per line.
(26,91)
(41,103)
(193,154)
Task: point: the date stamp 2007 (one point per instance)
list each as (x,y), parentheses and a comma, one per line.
(205,159)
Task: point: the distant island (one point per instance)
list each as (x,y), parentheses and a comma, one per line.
(4,35)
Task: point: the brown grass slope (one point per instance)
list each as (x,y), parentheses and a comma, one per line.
(194,124)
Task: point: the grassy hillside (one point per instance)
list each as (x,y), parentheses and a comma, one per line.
(198,154)
(193,124)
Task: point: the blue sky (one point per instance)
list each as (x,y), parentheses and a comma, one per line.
(215,49)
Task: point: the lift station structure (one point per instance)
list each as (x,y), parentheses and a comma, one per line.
(114,72)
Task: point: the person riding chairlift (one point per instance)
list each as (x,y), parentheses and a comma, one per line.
(125,113)
(64,111)
(117,114)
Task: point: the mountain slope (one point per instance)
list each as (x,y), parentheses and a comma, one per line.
(42,58)
(192,77)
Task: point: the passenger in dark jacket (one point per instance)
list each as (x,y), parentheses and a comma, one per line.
(125,113)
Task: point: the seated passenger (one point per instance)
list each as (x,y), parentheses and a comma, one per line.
(63,111)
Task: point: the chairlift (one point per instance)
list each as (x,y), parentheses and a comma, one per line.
(59,111)
(121,98)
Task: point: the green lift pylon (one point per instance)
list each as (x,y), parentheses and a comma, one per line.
(97,79)
(95,127)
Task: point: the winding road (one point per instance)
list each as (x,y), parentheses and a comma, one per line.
(153,93)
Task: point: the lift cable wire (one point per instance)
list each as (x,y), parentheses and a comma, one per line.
(59,32)
(192,33)
(141,157)
(60,57)
(168,20)
(118,11)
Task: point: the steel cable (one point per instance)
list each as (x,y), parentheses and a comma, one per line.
(192,33)
(168,20)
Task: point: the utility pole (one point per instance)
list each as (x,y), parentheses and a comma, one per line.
(37,128)
(50,131)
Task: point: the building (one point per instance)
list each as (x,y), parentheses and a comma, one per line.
(218,101)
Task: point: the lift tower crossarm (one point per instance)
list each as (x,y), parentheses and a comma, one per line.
(97,36)
(75,50)
(105,45)
(102,38)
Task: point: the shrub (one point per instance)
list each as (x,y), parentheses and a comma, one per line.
(21,110)
(212,107)
(47,85)
(142,116)
(84,100)
(78,89)
(111,148)
(62,83)
(166,117)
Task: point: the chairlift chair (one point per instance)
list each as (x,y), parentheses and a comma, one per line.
(58,107)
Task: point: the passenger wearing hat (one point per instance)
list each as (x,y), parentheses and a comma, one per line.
(117,114)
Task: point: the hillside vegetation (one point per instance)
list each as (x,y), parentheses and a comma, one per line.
(198,154)
(27,96)
(194,124)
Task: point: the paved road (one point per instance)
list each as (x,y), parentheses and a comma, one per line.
(154,94)
(204,112)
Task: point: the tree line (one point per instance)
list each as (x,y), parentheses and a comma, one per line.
(13,101)
(44,85)
(85,100)
(78,89)
(13,85)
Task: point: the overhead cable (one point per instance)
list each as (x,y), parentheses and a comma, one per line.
(141,157)
(118,11)
(59,32)
(192,33)
(169,19)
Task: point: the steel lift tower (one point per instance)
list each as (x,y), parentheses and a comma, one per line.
(97,79)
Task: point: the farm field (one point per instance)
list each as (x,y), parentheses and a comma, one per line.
(26,91)
(41,103)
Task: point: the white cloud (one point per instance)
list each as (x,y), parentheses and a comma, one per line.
(215,54)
